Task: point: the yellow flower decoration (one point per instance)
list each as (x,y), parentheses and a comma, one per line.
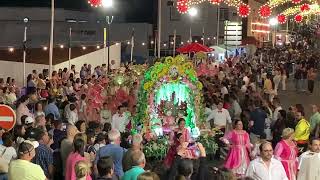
(169,60)
(148,85)
(199,85)
(188,65)
(181,70)
(180,59)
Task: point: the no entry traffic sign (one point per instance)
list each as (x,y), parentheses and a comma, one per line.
(7,117)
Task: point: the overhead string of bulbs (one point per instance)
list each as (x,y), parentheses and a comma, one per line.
(11,49)
(265,11)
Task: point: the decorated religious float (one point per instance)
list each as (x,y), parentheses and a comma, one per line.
(171,90)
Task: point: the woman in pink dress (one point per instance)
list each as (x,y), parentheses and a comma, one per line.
(238,158)
(74,157)
(286,151)
(179,136)
(92,111)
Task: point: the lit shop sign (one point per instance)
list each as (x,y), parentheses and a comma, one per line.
(258,27)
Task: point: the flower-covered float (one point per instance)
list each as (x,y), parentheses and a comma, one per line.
(170,90)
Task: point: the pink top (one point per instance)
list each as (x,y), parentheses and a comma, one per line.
(22,110)
(287,154)
(72,159)
(239,150)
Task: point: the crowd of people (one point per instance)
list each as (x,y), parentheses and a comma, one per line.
(66,127)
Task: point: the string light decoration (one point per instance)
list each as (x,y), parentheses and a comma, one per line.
(244,10)
(298,18)
(282,18)
(314,9)
(95,3)
(305,7)
(215,1)
(182,6)
(296,1)
(234,3)
(265,11)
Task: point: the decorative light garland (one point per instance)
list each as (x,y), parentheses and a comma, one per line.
(282,18)
(298,18)
(95,3)
(215,1)
(182,6)
(296,1)
(244,10)
(305,7)
(265,11)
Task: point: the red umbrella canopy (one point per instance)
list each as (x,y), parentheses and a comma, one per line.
(194,47)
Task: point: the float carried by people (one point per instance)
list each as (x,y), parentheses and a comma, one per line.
(169,91)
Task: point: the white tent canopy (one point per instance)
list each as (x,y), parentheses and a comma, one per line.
(219,52)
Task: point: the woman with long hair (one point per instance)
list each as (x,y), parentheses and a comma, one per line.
(19,132)
(238,157)
(22,108)
(74,157)
(286,151)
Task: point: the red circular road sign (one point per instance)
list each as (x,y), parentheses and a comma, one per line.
(7,117)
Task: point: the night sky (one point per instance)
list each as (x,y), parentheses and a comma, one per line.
(135,10)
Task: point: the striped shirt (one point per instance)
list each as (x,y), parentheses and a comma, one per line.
(44,158)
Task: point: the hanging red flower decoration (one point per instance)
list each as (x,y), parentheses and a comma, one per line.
(243,10)
(282,18)
(215,1)
(265,11)
(305,7)
(94,3)
(182,6)
(296,1)
(298,18)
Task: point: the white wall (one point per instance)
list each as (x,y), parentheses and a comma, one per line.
(95,58)
(15,69)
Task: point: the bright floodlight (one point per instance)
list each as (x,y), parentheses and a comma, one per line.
(273,21)
(25,20)
(107,3)
(193,11)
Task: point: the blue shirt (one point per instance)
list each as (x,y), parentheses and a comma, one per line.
(44,158)
(133,173)
(116,152)
(258,116)
(53,109)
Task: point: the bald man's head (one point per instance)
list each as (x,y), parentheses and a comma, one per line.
(71,131)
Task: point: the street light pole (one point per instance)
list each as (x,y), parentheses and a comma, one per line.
(51,39)
(159,28)
(25,20)
(70,36)
(109,20)
(218,24)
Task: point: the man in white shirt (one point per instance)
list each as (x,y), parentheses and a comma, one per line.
(120,119)
(220,116)
(314,148)
(266,167)
(277,105)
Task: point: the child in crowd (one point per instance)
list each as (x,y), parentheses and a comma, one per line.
(73,116)
(82,108)
(105,114)
(82,170)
